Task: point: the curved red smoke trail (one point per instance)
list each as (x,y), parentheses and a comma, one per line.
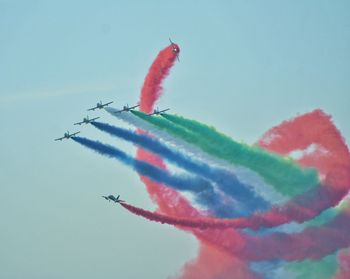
(338,177)
(159,70)
(335,166)
(169,201)
(296,134)
(344,265)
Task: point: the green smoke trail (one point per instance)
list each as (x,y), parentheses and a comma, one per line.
(326,267)
(323,269)
(282,173)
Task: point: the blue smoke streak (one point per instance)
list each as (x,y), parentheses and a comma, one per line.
(227,182)
(205,194)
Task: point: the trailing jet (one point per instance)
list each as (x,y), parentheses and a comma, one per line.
(175,49)
(100,105)
(86,120)
(157,111)
(67,135)
(113,198)
(127,108)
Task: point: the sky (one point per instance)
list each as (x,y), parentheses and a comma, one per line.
(244,67)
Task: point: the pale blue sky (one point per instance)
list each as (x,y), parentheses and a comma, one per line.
(245,66)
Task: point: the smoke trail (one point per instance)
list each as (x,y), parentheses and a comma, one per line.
(181,183)
(152,89)
(315,130)
(299,209)
(344,265)
(322,146)
(226,181)
(169,201)
(243,174)
(312,243)
(178,143)
(323,269)
(205,194)
(214,264)
(282,173)
(314,127)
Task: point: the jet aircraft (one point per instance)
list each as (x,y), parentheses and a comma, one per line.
(157,111)
(127,108)
(175,49)
(86,120)
(100,105)
(67,135)
(113,198)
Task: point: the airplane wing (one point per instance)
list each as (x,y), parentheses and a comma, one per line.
(106,104)
(79,123)
(92,108)
(134,107)
(119,111)
(93,119)
(60,138)
(74,134)
(154,112)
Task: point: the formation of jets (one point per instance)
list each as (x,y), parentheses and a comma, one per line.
(113,199)
(100,105)
(126,108)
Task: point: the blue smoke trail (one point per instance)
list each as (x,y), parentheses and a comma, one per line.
(204,190)
(227,182)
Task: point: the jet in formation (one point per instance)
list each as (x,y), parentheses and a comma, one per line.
(86,120)
(113,198)
(127,108)
(157,111)
(67,135)
(100,105)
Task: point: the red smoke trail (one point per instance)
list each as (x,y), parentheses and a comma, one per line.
(339,179)
(299,133)
(159,70)
(212,263)
(312,243)
(169,201)
(344,265)
(172,204)
(312,128)
(301,208)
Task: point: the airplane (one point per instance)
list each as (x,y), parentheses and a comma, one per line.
(100,105)
(157,111)
(175,49)
(113,198)
(86,120)
(67,135)
(127,108)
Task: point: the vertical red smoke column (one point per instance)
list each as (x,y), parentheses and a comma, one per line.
(168,200)
(159,70)
(150,92)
